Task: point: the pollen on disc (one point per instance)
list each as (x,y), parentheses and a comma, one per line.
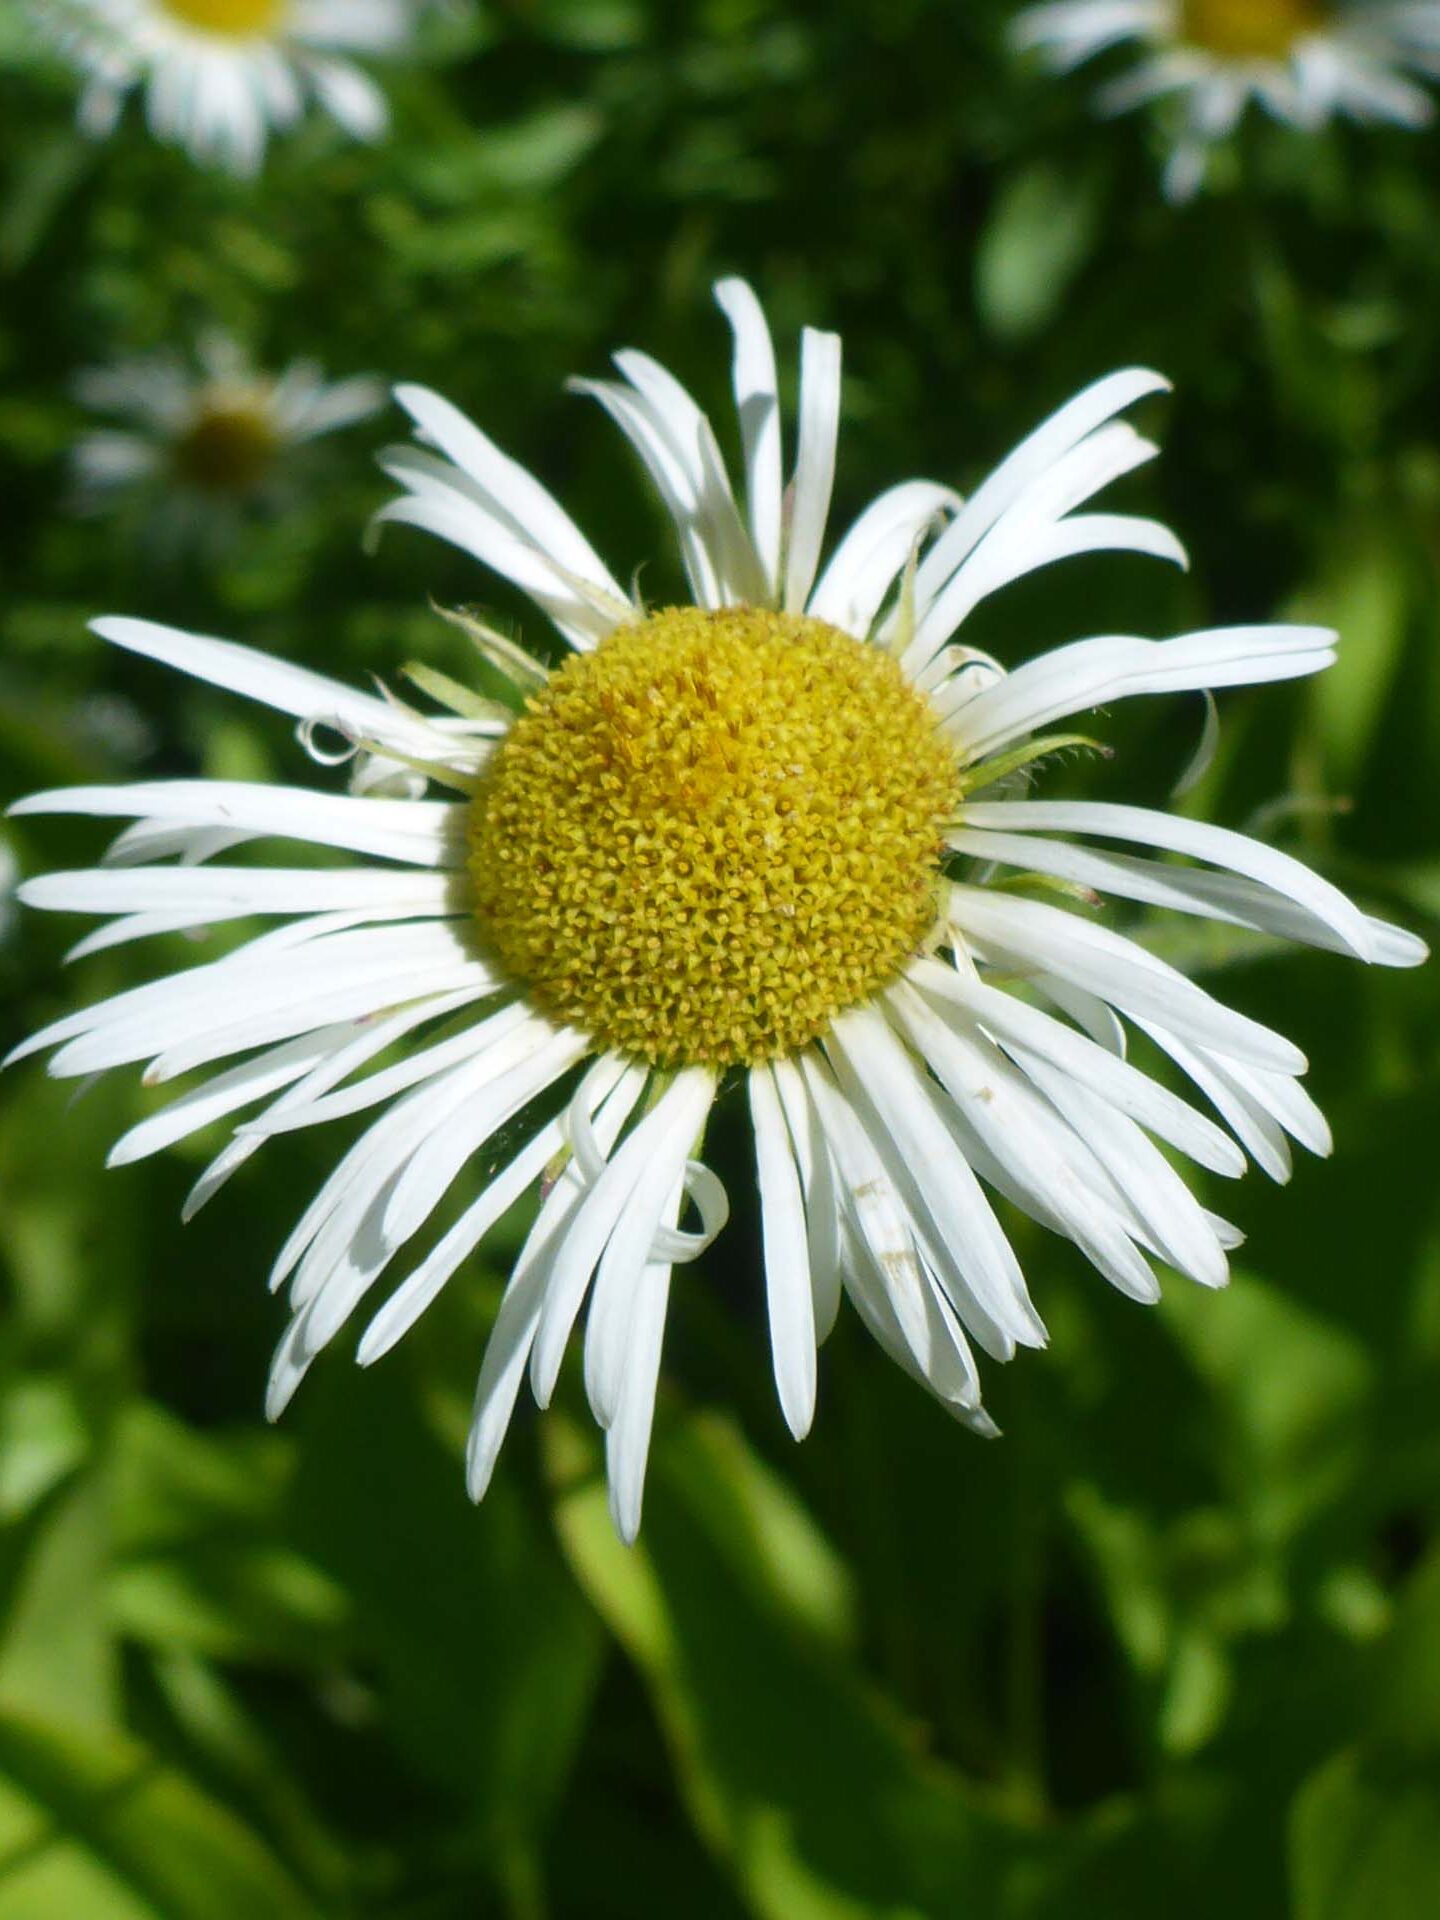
(710,836)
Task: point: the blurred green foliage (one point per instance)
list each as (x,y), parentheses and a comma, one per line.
(1172,1645)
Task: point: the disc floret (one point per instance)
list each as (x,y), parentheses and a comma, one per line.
(708,837)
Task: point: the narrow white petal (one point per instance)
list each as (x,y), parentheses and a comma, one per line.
(823,1224)
(209,894)
(757,400)
(1170,1215)
(867,562)
(491,1097)
(421,1287)
(500,1025)
(785,1241)
(629,1246)
(254,1080)
(350,97)
(609,1091)
(367,1040)
(1025,1141)
(256,676)
(514,495)
(673,481)
(876,1067)
(1049,443)
(1092,673)
(814,463)
(627,1443)
(680,1111)
(1013,1023)
(1257,1131)
(998,563)
(1236,852)
(422,833)
(692,438)
(1013,931)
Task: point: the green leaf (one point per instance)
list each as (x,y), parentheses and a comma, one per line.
(43,1438)
(1365,595)
(98,1828)
(813,1791)
(487,1656)
(57,1652)
(1365,1841)
(1040,233)
(1291,1392)
(1405,1709)
(199,1565)
(1365,1831)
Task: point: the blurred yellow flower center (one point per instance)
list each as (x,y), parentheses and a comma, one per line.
(237,17)
(707,838)
(229,448)
(1249,29)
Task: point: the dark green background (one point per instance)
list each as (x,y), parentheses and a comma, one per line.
(1172,1645)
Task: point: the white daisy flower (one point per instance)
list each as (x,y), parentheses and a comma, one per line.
(1304,61)
(220,74)
(754,846)
(202,445)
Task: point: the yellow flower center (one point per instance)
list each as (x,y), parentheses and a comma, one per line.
(1249,29)
(229,448)
(707,838)
(238,19)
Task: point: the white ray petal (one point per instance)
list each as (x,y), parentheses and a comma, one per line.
(260,676)
(1235,852)
(253,1080)
(492,1098)
(609,1091)
(868,560)
(512,494)
(499,1025)
(691,437)
(1013,1023)
(1091,673)
(422,833)
(627,1439)
(673,481)
(1017,932)
(209,894)
(648,1206)
(875,1068)
(680,1111)
(757,401)
(1025,1141)
(789,1297)
(1172,1216)
(422,1286)
(814,463)
(1049,443)
(823,1224)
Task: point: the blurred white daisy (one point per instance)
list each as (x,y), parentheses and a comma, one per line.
(753,843)
(1205,61)
(220,74)
(201,445)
